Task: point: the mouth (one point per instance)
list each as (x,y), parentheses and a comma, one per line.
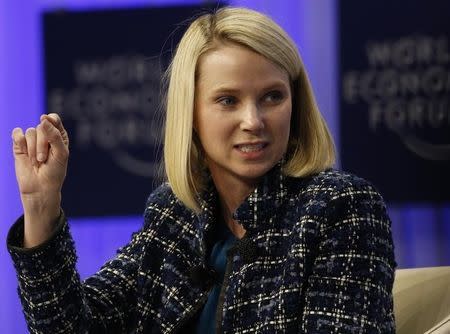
(249,147)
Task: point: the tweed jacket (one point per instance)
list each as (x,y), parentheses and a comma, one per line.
(317,257)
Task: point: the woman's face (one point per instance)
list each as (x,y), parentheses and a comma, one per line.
(242,114)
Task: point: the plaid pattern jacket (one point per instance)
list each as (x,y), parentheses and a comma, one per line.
(317,257)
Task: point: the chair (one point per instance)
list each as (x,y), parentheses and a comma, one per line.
(422,300)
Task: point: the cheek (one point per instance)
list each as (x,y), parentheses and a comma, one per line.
(210,131)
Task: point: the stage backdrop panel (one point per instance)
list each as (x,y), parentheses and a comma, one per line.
(103,72)
(394,96)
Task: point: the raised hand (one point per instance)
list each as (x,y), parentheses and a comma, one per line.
(41,156)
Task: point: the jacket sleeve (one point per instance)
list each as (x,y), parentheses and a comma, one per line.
(54,299)
(350,287)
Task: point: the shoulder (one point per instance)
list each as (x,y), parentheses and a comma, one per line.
(162,202)
(161,196)
(334,184)
(352,198)
(330,190)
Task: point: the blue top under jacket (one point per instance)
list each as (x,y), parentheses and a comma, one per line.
(217,261)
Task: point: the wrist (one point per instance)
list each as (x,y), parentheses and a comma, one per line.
(37,230)
(41,206)
(40,218)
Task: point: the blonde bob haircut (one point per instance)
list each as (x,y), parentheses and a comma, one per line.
(310,147)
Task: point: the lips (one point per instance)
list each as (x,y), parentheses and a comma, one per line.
(251,147)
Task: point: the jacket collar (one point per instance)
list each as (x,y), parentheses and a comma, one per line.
(257,209)
(260,206)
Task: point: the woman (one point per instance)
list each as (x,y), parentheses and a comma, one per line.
(252,233)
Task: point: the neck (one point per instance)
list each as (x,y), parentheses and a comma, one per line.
(232,193)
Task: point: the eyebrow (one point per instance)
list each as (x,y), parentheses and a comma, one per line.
(231,90)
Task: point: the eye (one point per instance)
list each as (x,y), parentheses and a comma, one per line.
(227,101)
(274,96)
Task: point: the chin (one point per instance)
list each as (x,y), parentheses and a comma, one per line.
(255,172)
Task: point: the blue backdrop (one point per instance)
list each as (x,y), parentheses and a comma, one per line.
(421,233)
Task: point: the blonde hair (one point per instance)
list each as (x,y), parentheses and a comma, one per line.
(310,147)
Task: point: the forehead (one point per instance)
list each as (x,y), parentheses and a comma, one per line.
(235,65)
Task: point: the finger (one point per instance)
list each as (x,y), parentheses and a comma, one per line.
(56,121)
(42,142)
(53,137)
(30,136)
(19,141)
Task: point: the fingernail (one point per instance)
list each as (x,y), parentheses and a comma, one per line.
(40,157)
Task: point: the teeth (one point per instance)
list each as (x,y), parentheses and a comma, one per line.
(251,148)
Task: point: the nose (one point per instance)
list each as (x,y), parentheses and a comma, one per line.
(252,118)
